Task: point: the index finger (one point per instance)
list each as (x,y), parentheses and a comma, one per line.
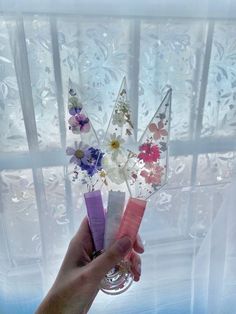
(81,247)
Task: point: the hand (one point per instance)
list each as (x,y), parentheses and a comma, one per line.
(78,280)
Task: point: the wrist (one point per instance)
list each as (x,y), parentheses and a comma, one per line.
(52,304)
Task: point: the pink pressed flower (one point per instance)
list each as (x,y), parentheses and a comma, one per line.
(73,122)
(149,152)
(153,176)
(79,123)
(158,130)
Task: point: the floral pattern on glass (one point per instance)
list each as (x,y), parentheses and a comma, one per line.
(42,75)
(219,117)
(13,134)
(171,53)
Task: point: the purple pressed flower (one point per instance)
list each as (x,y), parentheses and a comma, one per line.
(79,154)
(89,159)
(74,106)
(79,123)
(75,110)
(94,161)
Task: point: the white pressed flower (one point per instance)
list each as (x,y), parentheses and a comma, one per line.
(113,171)
(119,119)
(114,145)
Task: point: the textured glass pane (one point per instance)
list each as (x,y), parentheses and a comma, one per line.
(38,40)
(56,205)
(204,206)
(12,135)
(20,216)
(171,55)
(167,213)
(220,109)
(215,168)
(179,170)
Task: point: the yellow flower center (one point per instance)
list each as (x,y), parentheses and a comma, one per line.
(115,144)
(79,154)
(102,174)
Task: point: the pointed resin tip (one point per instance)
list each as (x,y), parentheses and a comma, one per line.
(115,207)
(96,217)
(132,218)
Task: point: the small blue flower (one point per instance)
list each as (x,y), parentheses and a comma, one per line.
(88,159)
(74,106)
(75,110)
(93,161)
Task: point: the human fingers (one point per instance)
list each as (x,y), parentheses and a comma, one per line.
(138,245)
(106,261)
(81,247)
(135,265)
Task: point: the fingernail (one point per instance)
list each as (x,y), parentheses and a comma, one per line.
(140,243)
(138,268)
(125,245)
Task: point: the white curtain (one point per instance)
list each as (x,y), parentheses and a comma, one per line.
(189,226)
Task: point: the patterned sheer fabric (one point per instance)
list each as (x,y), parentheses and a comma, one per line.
(189,226)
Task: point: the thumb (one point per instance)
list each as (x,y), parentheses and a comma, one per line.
(104,263)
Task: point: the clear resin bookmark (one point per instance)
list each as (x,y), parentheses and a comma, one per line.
(87,157)
(119,135)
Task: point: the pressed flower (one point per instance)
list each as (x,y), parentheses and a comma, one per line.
(118,173)
(113,171)
(78,153)
(79,123)
(74,106)
(149,152)
(158,130)
(93,161)
(119,119)
(102,174)
(89,159)
(153,175)
(115,145)
(122,114)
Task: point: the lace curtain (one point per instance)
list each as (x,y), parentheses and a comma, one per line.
(189,226)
